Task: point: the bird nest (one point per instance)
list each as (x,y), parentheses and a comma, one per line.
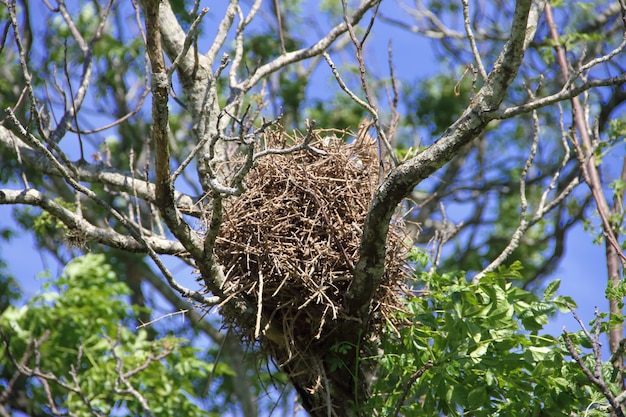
(290,242)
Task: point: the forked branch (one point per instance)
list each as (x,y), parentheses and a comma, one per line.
(405,177)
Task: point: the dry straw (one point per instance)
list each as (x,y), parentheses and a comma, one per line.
(290,242)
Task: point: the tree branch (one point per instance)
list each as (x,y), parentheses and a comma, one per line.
(526,222)
(301,54)
(595,377)
(591,175)
(92,173)
(90,232)
(160,131)
(405,177)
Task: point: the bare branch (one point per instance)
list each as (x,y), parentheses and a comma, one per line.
(189,38)
(542,208)
(412,379)
(563,94)
(316,49)
(78,99)
(122,377)
(222,31)
(129,225)
(160,131)
(92,173)
(344,87)
(472,40)
(24,63)
(82,44)
(590,171)
(108,237)
(119,121)
(46,377)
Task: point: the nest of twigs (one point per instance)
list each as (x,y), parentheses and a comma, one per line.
(290,242)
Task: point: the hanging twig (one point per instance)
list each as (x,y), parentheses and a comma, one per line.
(412,379)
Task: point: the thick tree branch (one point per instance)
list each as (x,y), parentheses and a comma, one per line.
(404,178)
(165,201)
(74,222)
(160,131)
(197,80)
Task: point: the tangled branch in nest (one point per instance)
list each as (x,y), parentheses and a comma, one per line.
(291,241)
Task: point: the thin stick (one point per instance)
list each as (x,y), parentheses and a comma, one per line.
(472,40)
(259,307)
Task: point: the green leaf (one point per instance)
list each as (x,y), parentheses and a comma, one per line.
(477,397)
(551,289)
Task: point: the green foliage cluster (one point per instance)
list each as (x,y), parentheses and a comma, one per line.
(79,331)
(488,354)
(484,341)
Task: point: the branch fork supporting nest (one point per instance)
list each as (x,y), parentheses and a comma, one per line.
(290,242)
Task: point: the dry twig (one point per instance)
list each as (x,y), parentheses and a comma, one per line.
(595,376)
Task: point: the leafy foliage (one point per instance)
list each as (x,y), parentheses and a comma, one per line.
(79,327)
(489,356)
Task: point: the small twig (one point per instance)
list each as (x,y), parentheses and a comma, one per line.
(85,80)
(279,23)
(196,7)
(218,356)
(412,379)
(304,145)
(526,223)
(395,115)
(259,306)
(28,352)
(28,79)
(344,87)
(442,235)
(123,376)
(382,136)
(222,31)
(472,40)
(314,50)
(189,39)
(329,403)
(199,146)
(45,378)
(164,316)
(128,224)
(595,377)
(73,102)
(120,120)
